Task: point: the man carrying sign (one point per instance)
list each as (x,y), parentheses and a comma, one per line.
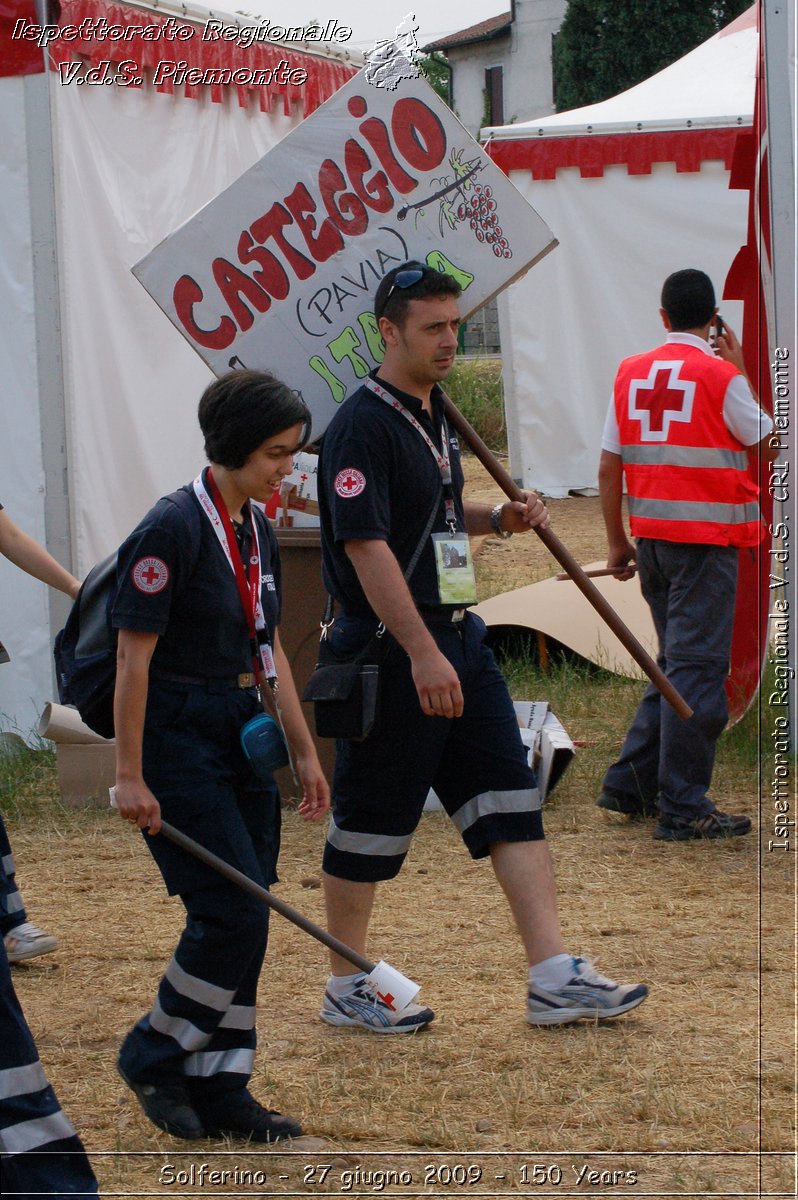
(390,485)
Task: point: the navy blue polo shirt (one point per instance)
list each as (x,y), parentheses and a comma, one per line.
(378,480)
(187,593)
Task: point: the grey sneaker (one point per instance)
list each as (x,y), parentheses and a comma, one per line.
(586,995)
(362,1008)
(26,941)
(713,825)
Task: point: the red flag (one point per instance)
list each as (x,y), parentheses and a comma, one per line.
(749,280)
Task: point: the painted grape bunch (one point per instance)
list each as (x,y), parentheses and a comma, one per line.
(479,209)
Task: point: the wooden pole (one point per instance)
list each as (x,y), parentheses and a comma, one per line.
(249,885)
(597,574)
(564,557)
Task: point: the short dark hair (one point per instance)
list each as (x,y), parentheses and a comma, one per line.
(243,409)
(688,298)
(394,304)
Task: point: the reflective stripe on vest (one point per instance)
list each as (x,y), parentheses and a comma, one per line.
(690,510)
(686,456)
(687,477)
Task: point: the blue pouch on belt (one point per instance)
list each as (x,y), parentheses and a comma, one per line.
(264,745)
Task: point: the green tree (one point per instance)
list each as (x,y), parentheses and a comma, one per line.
(435,69)
(607,46)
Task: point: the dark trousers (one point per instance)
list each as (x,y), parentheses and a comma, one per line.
(690,590)
(12,910)
(201,1029)
(40,1153)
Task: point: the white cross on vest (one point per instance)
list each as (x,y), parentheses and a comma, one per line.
(660,399)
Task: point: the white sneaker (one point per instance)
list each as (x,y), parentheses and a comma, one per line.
(362,1008)
(26,941)
(586,994)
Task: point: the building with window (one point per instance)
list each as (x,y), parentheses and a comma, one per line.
(501,68)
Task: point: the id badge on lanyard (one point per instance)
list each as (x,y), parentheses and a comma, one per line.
(453,562)
(457,583)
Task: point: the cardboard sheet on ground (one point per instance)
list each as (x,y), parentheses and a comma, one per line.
(279,271)
(558,609)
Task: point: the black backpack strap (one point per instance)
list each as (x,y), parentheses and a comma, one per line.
(329,608)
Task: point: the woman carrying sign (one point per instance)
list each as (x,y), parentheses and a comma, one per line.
(197,610)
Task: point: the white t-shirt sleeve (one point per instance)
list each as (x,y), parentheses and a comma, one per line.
(610,436)
(742,415)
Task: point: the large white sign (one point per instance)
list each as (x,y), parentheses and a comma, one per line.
(279,271)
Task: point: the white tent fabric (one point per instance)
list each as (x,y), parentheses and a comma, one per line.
(187,152)
(129,165)
(713,85)
(24,621)
(628,208)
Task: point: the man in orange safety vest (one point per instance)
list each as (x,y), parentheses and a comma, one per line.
(679,428)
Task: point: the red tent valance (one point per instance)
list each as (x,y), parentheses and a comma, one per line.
(97,32)
(592,152)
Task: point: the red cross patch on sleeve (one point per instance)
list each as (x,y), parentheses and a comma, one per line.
(349,483)
(150,575)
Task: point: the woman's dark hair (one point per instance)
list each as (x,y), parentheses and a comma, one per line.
(688,298)
(240,411)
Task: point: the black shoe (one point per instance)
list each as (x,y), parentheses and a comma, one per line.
(630,806)
(713,825)
(238,1114)
(169,1107)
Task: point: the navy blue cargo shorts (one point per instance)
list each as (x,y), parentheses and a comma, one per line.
(476,763)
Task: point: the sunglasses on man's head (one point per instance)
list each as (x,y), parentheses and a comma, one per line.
(407,278)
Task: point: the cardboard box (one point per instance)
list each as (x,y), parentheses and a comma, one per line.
(552,749)
(85,773)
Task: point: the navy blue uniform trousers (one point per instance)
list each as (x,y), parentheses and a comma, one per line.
(201,1029)
(40,1153)
(12,910)
(690,590)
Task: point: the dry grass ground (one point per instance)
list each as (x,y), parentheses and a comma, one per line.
(692,1094)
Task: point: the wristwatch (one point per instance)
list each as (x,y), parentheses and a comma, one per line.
(496,523)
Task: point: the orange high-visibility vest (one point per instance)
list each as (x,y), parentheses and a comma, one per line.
(687,476)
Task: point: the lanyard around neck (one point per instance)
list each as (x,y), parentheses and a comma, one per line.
(247,581)
(441,456)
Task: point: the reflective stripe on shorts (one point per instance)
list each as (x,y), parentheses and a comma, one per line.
(379,845)
(490,804)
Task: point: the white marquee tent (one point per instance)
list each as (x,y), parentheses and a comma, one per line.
(634,187)
(99,398)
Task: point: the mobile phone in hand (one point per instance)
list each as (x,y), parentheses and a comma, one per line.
(719,328)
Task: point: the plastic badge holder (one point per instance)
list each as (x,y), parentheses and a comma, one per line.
(264,745)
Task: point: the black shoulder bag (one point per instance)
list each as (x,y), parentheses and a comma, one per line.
(345,692)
